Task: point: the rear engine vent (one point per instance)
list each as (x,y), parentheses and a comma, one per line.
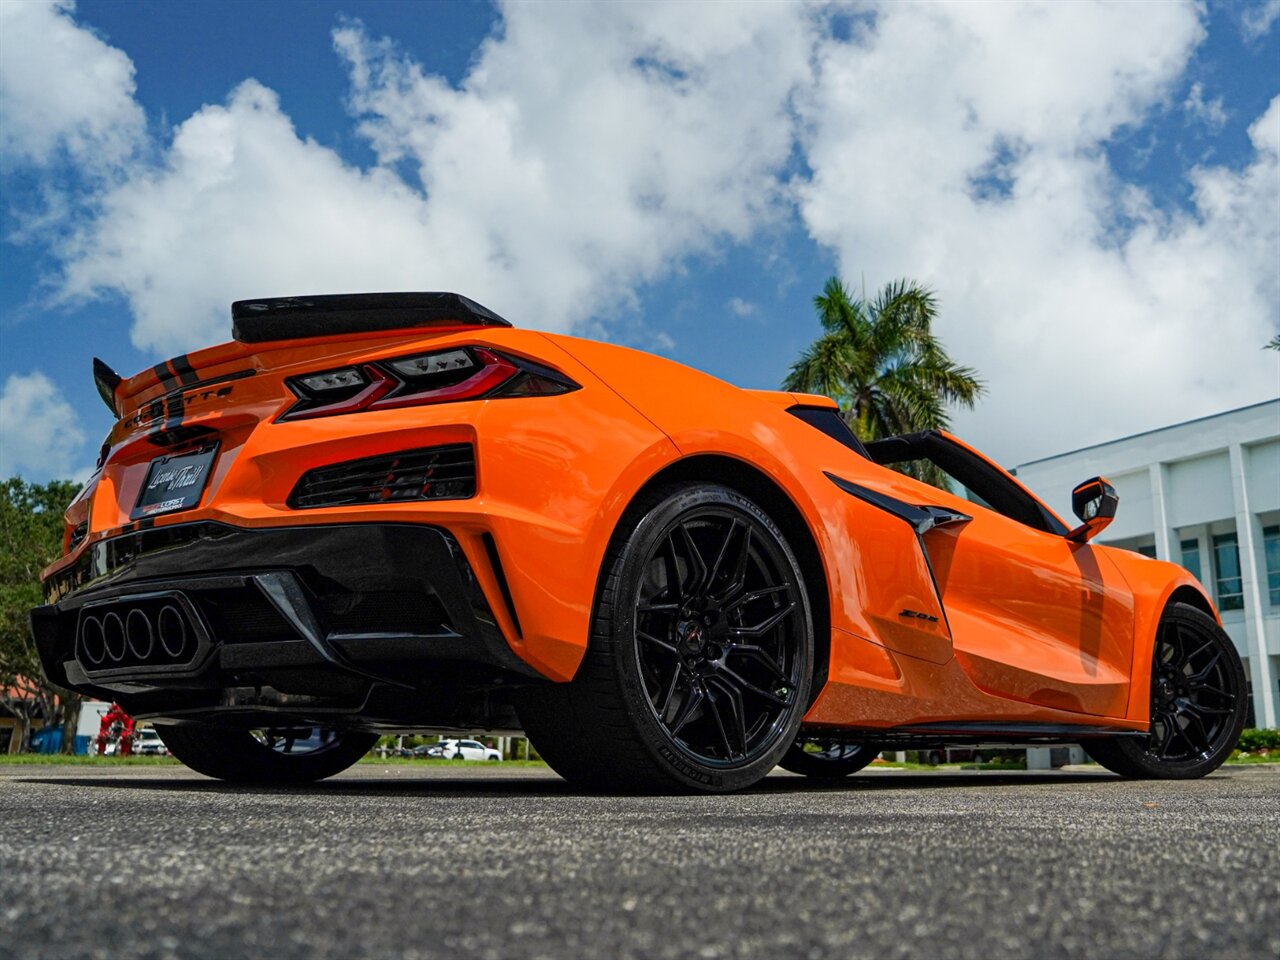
(432,473)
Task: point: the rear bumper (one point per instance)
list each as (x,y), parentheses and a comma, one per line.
(342,614)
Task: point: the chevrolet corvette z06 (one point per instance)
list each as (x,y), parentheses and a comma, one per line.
(395,512)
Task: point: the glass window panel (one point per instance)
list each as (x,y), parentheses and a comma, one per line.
(1226,570)
(1191,557)
(1148,550)
(1271,547)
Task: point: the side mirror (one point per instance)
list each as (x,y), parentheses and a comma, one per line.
(1094,502)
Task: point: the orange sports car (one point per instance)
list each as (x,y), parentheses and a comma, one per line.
(393,512)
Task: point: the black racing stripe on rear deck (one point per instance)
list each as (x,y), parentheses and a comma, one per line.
(185,371)
(164,373)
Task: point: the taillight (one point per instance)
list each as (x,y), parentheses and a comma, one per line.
(445,376)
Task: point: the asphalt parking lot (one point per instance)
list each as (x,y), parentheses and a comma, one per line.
(402,861)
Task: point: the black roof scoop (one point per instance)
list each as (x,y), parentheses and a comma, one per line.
(295,318)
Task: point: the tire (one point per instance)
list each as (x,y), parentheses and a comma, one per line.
(239,756)
(933,758)
(831,761)
(1198,704)
(700,658)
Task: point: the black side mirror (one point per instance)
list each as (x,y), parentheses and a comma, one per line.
(1094,502)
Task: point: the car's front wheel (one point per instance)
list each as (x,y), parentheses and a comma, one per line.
(1198,703)
(700,658)
(265,756)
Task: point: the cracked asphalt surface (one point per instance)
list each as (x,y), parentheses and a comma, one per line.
(417,862)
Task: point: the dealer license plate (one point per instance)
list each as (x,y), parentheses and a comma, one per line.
(175,483)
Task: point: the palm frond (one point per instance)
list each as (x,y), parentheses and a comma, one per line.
(881,361)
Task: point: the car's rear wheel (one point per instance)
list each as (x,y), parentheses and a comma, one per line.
(826,759)
(267,755)
(1198,703)
(700,659)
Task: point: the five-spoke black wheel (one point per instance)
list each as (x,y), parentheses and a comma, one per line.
(701,653)
(1197,703)
(827,759)
(273,755)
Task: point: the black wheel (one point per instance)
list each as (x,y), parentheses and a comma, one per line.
(826,759)
(280,756)
(933,758)
(700,659)
(1197,703)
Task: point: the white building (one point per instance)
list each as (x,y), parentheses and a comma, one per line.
(1205,494)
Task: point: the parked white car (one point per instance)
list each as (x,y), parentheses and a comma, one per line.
(467,750)
(146,743)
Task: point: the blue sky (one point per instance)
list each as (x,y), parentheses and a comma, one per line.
(1092,190)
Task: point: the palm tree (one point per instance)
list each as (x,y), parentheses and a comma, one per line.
(881,362)
(1274,344)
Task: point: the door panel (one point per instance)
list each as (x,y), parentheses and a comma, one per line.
(1035,617)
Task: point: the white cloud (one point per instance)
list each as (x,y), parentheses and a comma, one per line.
(741,308)
(1090,313)
(244,208)
(1209,112)
(546,197)
(1258,17)
(63,89)
(40,435)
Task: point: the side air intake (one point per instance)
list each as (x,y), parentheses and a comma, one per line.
(430,473)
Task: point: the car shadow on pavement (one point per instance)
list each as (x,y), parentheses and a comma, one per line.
(543,786)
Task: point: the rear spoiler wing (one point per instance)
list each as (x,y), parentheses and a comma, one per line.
(295,318)
(329,315)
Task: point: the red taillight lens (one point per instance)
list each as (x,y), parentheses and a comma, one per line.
(446,376)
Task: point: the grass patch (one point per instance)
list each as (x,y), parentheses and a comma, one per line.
(81,759)
(1238,757)
(438,762)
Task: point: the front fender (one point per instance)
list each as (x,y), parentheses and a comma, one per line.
(1154,584)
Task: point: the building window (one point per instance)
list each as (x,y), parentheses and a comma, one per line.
(1191,558)
(1271,547)
(1147,550)
(1226,571)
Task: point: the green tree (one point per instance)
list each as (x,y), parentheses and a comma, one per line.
(31,529)
(1274,344)
(880,360)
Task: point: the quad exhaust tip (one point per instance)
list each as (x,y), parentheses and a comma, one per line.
(93,644)
(113,636)
(146,632)
(138,631)
(173,631)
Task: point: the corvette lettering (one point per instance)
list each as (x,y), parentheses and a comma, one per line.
(180,403)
